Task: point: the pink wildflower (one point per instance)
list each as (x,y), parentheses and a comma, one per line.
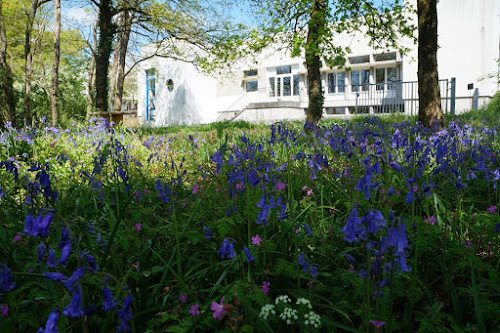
(4,309)
(194,310)
(310,192)
(239,186)
(16,239)
(415,188)
(265,287)
(281,186)
(377,324)
(431,220)
(304,188)
(492,209)
(196,187)
(138,226)
(218,309)
(256,240)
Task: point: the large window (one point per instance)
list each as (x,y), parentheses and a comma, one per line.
(284,83)
(150,94)
(385,77)
(360,78)
(336,82)
(252,86)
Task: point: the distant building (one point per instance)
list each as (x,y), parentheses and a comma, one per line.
(274,86)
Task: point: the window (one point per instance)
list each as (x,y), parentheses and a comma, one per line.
(284,83)
(385,56)
(150,94)
(170,85)
(360,78)
(283,70)
(250,72)
(359,60)
(385,75)
(272,88)
(295,85)
(252,86)
(336,82)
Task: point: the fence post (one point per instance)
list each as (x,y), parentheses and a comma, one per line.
(453,93)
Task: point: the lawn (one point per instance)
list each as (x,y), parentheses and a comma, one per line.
(373,225)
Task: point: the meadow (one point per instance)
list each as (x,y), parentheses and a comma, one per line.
(370,225)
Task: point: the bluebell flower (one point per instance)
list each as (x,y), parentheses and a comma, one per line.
(51,324)
(248,254)
(91,261)
(66,250)
(207,232)
(374,221)
(409,197)
(125,314)
(51,258)
(350,258)
(396,237)
(309,231)
(353,229)
(305,267)
(227,249)
(6,283)
(107,299)
(41,250)
(401,259)
(301,259)
(314,271)
(74,309)
(77,275)
(497,228)
(39,225)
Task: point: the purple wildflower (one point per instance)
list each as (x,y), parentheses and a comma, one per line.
(182,298)
(4,309)
(194,310)
(6,283)
(218,309)
(265,287)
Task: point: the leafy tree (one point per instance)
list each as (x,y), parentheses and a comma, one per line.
(7,102)
(310,26)
(429,99)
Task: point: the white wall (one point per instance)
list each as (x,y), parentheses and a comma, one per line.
(192,101)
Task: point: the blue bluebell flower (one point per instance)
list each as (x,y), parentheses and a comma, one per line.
(248,254)
(42,248)
(353,229)
(314,271)
(227,249)
(309,231)
(6,283)
(51,258)
(207,232)
(107,299)
(74,309)
(66,250)
(51,324)
(125,314)
(374,221)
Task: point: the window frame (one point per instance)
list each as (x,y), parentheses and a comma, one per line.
(150,94)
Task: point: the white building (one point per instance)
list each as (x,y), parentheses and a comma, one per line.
(273,86)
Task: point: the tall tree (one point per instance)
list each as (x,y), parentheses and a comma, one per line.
(316,27)
(118,68)
(310,26)
(107,31)
(7,103)
(57,56)
(429,99)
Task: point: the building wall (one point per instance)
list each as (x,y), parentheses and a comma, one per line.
(191,101)
(469,41)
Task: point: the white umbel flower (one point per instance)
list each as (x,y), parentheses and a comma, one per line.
(266,310)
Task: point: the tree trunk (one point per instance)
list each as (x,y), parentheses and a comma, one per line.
(313,62)
(123,39)
(28,61)
(104,49)
(429,111)
(57,56)
(7,103)
(91,82)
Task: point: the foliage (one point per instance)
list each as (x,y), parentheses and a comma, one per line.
(379,226)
